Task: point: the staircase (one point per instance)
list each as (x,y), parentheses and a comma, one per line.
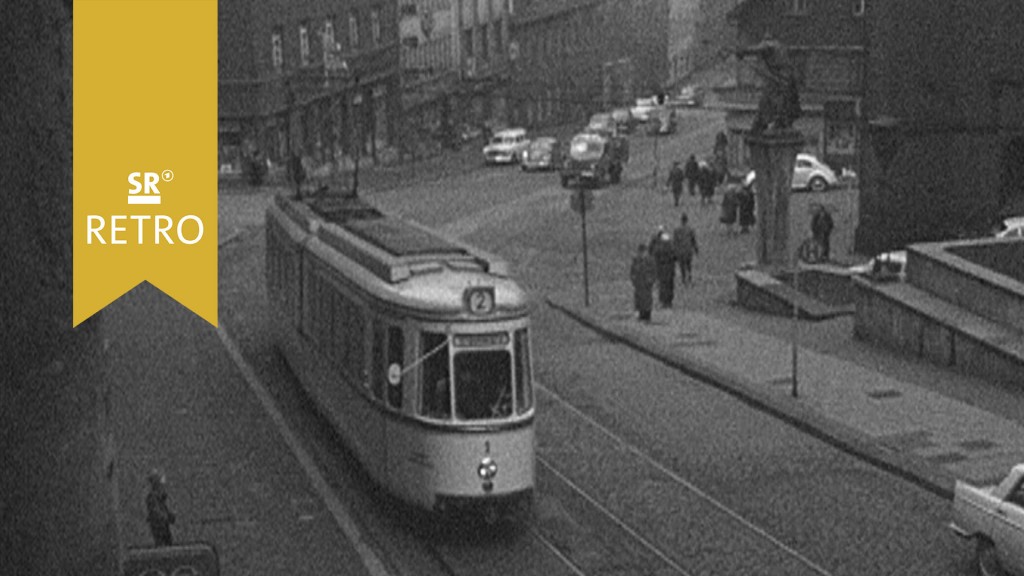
(962,306)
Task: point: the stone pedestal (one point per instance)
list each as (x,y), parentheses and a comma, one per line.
(772,157)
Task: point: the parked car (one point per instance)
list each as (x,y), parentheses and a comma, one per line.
(884,266)
(506,146)
(642,110)
(809,173)
(602,123)
(993,517)
(624,120)
(688,96)
(593,158)
(544,153)
(1011,228)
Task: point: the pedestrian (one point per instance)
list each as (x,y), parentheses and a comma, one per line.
(158,514)
(692,174)
(684,247)
(706,180)
(642,274)
(821,229)
(745,205)
(675,182)
(730,205)
(664,265)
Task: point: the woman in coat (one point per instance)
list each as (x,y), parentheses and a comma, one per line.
(642,275)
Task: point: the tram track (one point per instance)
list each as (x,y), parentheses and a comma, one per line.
(674,478)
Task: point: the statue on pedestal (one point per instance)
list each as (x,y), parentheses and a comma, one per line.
(779,105)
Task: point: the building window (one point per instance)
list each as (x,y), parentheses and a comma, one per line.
(375,26)
(799,6)
(485,43)
(353,30)
(276,50)
(858,7)
(328,35)
(304,44)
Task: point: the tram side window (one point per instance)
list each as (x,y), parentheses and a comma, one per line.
(524,385)
(435,396)
(380,367)
(396,353)
(483,385)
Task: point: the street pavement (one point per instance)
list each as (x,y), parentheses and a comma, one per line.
(919,421)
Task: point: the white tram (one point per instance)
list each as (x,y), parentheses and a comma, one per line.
(414,346)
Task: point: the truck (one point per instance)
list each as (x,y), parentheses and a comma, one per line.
(593,158)
(993,517)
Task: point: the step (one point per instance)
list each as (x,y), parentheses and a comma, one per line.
(977,275)
(760,291)
(906,317)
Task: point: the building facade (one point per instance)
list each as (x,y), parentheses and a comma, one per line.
(576,57)
(944,118)
(455,68)
(307,77)
(826,43)
(698,36)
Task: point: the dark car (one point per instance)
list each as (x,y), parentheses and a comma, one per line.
(594,158)
(543,153)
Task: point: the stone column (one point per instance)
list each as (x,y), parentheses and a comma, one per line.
(773,155)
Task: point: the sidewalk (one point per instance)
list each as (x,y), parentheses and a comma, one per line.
(913,432)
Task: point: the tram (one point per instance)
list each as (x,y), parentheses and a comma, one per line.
(415,347)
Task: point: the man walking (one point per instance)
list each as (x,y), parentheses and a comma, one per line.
(675,181)
(642,274)
(692,174)
(684,246)
(664,265)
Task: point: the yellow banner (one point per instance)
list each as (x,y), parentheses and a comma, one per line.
(145,152)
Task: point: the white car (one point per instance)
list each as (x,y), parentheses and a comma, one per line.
(809,173)
(506,146)
(885,266)
(643,109)
(993,517)
(1011,228)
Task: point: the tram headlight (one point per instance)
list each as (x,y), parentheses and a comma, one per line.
(487,469)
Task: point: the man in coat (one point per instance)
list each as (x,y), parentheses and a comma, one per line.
(684,247)
(692,174)
(664,265)
(745,203)
(675,182)
(821,229)
(158,514)
(642,274)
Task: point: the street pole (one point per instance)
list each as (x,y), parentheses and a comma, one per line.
(796,322)
(654,185)
(586,272)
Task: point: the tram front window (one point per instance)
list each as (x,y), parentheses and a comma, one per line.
(436,397)
(483,385)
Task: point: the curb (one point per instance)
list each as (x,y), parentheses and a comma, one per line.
(908,467)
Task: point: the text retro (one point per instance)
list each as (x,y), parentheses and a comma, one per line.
(148,228)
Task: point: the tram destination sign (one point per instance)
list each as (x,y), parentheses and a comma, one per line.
(481,340)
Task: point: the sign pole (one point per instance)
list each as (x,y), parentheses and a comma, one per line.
(796,323)
(586,272)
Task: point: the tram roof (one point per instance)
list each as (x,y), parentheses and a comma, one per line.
(385,244)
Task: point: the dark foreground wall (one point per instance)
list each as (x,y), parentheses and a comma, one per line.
(57,505)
